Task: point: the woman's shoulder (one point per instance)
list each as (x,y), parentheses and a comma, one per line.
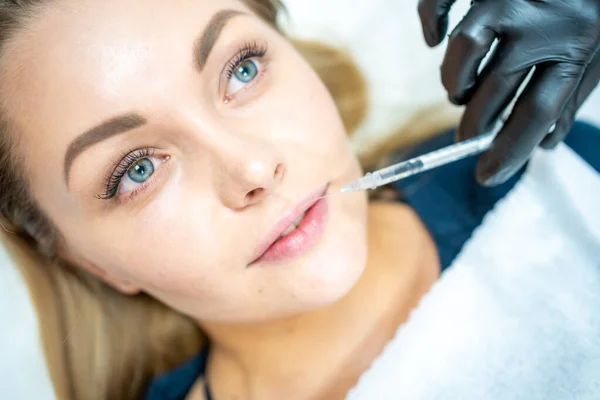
(452,204)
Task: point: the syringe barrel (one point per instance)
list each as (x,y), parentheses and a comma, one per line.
(400,171)
(458,151)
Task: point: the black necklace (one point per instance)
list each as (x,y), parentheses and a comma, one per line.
(207,393)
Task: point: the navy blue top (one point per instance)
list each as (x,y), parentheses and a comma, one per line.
(450,203)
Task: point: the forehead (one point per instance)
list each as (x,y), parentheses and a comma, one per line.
(80,59)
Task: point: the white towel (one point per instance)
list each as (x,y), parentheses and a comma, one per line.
(517,316)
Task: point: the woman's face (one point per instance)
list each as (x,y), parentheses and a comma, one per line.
(172,142)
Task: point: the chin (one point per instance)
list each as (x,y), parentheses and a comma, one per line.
(337,265)
(337,278)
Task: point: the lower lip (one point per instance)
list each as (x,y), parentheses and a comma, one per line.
(302,239)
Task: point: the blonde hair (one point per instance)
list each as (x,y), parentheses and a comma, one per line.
(100,344)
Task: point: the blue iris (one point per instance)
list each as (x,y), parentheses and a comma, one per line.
(246,72)
(141,171)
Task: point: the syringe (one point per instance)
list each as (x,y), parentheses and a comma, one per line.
(428,161)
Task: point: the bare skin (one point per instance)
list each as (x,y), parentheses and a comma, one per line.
(164,170)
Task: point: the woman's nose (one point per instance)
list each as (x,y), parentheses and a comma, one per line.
(261,183)
(248,175)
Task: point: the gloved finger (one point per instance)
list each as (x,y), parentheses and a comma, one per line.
(434,19)
(537,109)
(586,87)
(497,86)
(468,45)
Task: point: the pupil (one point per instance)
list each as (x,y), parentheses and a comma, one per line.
(246,72)
(141,171)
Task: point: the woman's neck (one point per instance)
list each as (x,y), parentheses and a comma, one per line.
(321,354)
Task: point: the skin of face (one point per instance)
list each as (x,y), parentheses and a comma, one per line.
(229,157)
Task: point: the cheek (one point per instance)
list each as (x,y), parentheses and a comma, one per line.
(171,246)
(304,105)
(182,246)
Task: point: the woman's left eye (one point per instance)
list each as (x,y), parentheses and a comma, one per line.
(243,75)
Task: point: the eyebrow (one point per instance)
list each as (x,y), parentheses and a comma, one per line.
(205,43)
(99,133)
(124,123)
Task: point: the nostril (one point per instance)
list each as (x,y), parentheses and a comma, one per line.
(253,195)
(279,171)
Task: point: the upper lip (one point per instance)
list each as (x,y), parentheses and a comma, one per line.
(286,220)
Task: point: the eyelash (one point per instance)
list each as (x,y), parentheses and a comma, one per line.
(113,180)
(248,51)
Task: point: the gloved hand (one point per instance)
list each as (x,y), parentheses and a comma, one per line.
(561,38)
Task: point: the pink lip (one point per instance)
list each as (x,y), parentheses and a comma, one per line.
(306,235)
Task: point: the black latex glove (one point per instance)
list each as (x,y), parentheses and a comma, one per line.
(561,38)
